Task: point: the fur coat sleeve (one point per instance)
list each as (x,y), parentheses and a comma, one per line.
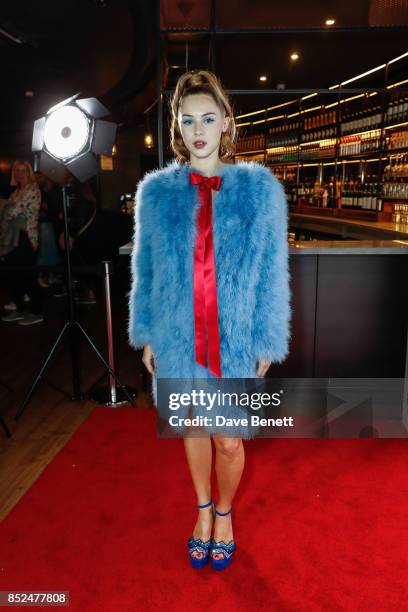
(250,224)
(139,325)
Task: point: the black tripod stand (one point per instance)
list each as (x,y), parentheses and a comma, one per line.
(72,326)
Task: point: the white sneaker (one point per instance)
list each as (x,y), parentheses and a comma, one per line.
(30,319)
(13,316)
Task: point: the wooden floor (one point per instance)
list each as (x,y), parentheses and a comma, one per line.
(51,417)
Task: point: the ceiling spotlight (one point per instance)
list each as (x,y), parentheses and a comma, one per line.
(330,22)
(262,77)
(70,136)
(294,56)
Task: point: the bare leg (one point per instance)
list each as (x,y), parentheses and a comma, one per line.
(229,465)
(199,459)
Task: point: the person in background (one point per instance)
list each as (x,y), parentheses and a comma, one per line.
(23,206)
(5,192)
(51,207)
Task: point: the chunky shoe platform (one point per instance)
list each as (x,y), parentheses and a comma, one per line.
(221,548)
(197,545)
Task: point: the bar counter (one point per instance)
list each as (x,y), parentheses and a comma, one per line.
(349,228)
(350,309)
(333,247)
(349,247)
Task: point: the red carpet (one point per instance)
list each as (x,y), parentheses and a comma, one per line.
(319,524)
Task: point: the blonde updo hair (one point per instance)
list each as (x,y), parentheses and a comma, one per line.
(196,82)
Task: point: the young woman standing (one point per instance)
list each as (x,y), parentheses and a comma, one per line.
(209,272)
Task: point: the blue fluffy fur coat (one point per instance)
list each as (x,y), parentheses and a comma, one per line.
(250,223)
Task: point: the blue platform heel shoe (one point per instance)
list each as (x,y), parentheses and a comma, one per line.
(197,545)
(222,548)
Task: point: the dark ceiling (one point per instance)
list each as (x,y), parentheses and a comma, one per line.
(55,49)
(107,48)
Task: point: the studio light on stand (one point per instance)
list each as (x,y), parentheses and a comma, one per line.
(68,138)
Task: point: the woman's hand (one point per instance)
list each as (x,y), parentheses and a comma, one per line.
(263,367)
(148,359)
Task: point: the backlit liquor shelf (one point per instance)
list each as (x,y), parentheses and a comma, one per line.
(344,159)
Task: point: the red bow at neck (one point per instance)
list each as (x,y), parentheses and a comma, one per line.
(205,286)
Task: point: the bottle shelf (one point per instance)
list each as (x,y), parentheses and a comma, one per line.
(364,155)
(397,200)
(296,149)
(396,151)
(354,149)
(355,156)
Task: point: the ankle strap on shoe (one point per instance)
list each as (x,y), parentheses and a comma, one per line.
(206,505)
(222,513)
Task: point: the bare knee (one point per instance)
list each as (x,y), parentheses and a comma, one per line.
(229,447)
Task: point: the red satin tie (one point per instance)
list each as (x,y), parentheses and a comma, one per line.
(205,285)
